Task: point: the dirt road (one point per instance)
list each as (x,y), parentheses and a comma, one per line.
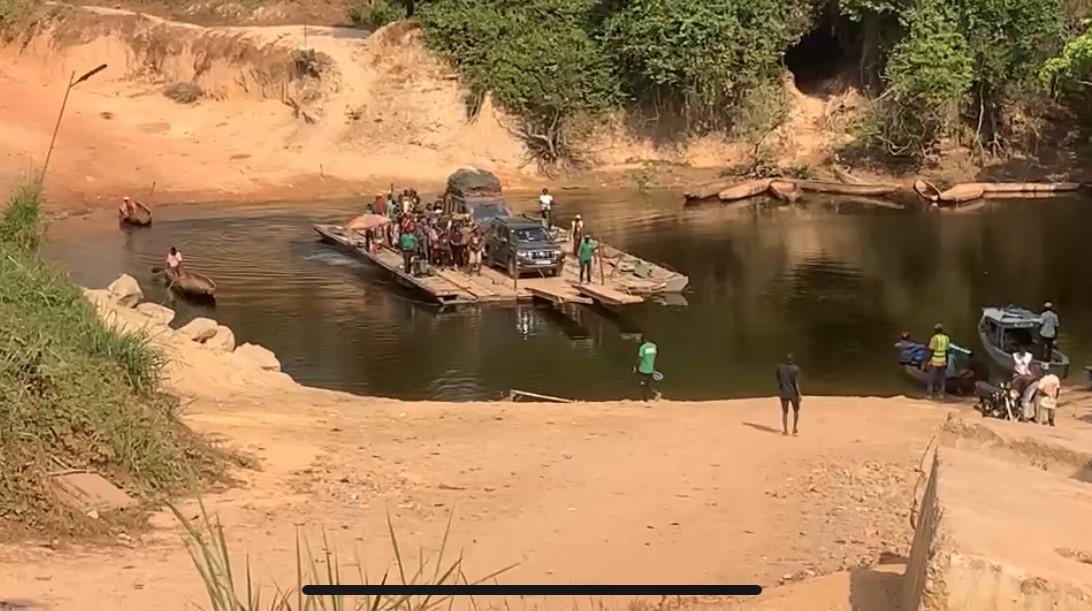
(615,492)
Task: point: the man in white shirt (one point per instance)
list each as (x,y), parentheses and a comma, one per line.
(1021,371)
(174,260)
(545,206)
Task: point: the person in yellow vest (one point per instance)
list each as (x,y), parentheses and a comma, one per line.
(938,362)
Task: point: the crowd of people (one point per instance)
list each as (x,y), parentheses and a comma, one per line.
(429,236)
(426,235)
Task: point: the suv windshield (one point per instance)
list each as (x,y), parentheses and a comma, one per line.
(531,234)
(488,211)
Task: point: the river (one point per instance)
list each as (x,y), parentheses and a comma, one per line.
(832,281)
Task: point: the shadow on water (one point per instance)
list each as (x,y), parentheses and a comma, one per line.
(832,281)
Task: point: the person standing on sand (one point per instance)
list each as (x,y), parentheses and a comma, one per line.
(545,206)
(646,369)
(1049,389)
(938,363)
(788,390)
(1048,330)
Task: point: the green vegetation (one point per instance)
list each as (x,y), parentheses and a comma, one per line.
(73,393)
(377,13)
(1070,70)
(959,64)
(209,550)
(11,11)
(938,68)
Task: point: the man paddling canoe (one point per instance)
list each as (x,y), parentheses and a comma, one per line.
(174,261)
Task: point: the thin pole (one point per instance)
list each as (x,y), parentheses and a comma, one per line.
(56,128)
(599,257)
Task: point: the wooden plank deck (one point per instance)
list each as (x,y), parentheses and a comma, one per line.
(448,286)
(555,290)
(607,295)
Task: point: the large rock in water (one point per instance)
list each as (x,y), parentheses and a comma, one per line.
(199,329)
(223,340)
(126,291)
(259,356)
(161,315)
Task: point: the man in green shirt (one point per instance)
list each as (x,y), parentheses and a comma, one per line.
(408,243)
(646,368)
(587,250)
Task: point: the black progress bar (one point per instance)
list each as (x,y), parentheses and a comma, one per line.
(532,590)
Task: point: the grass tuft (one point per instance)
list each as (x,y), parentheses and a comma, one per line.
(209,551)
(74,394)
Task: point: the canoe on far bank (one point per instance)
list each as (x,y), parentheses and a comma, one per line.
(971,191)
(841,188)
(745,189)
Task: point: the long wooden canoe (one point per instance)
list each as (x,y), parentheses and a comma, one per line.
(840,188)
(745,189)
(191,283)
(140,217)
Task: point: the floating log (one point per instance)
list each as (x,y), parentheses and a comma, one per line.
(839,188)
(745,189)
(785,190)
(709,190)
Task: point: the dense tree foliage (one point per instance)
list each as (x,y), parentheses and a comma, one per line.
(1072,68)
(937,66)
(701,57)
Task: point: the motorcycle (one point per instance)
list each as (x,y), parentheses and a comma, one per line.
(1001,401)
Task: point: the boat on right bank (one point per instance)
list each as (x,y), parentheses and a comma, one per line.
(1003,329)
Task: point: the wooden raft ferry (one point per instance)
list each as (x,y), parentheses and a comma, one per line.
(625,279)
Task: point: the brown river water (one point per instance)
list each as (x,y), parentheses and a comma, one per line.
(832,281)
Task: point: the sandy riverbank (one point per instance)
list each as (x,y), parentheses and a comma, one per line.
(612,492)
(616,492)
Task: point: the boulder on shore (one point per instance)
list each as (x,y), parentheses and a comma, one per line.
(126,291)
(159,314)
(199,329)
(98,297)
(259,356)
(223,340)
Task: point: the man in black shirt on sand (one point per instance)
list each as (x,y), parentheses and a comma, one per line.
(788,390)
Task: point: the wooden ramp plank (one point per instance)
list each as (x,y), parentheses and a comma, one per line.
(607,295)
(440,289)
(555,290)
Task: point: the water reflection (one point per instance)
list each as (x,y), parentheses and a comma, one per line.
(832,281)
